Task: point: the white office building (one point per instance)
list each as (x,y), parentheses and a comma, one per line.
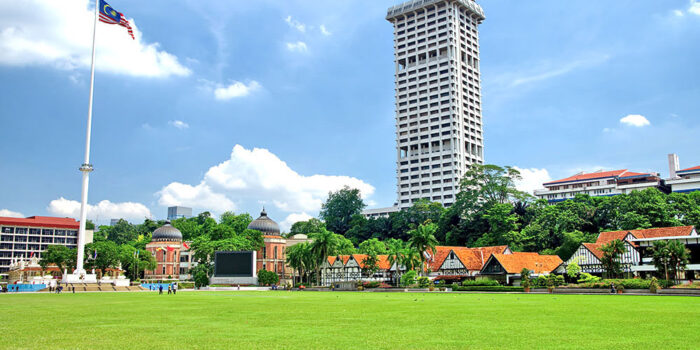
(175,213)
(682,180)
(599,183)
(438,97)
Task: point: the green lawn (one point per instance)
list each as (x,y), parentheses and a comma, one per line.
(341,320)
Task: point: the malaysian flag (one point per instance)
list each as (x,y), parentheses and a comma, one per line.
(111,16)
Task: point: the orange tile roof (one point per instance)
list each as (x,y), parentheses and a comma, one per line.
(631,174)
(677,231)
(383,262)
(516,262)
(471,258)
(595,249)
(689,169)
(331,260)
(41,221)
(589,176)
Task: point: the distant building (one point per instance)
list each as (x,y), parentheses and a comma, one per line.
(439,126)
(379,212)
(165,245)
(599,183)
(685,180)
(347,268)
(179,212)
(113,222)
(22,238)
(459,263)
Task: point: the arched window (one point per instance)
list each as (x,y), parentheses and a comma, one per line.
(275,253)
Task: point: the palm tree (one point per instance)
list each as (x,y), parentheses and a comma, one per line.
(661,256)
(411,258)
(395,251)
(324,244)
(423,239)
(611,257)
(295,259)
(679,256)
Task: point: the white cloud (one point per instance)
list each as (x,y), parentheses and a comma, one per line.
(635,120)
(10,213)
(532,179)
(678,13)
(287,223)
(235,90)
(103,210)
(258,175)
(694,7)
(295,24)
(325,31)
(179,124)
(59,34)
(298,46)
(199,196)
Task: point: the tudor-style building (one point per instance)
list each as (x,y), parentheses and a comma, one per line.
(506,268)
(636,258)
(458,263)
(346,268)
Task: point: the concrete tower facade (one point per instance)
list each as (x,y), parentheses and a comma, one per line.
(439,130)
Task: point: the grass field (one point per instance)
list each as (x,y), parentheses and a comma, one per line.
(341,320)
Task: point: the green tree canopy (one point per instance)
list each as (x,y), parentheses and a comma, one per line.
(339,209)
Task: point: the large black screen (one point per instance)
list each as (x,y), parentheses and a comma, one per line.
(233,264)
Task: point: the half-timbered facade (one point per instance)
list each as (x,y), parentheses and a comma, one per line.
(506,268)
(346,268)
(589,255)
(457,263)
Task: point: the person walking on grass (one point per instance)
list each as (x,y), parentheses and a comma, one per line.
(174,288)
(160,289)
(170,289)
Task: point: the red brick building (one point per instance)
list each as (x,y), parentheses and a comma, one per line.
(272,256)
(165,245)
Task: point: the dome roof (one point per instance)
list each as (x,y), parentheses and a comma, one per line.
(166,233)
(265,225)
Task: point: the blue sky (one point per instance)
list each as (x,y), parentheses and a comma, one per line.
(305,89)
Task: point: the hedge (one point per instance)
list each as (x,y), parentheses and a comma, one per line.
(487,289)
(480,282)
(634,283)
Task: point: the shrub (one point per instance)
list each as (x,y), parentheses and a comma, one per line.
(298,285)
(480,282)
(541,281)
(185,285)
(588,278)
(384,285)
(525,278)
(267,278)
(423,282)
(408,278)
(372,284)
(488,288)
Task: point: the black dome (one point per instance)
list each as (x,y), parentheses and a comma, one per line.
(167,233)
(265,225)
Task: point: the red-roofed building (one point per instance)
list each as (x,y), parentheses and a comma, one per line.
(346,268)
(682,180)
(506,268)
(637,257)
(599,183)
(461,262)
(21,238)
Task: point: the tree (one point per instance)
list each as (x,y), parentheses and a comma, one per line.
(267,278)
(324,244)
(236,222)
(679,257)
(102,255)
(135,261)
(525,278)
(661,256)
(340,207)
(89,225)
(306,227)
(491,184)
(396,249)
(423,240)
(201,274)
(573,269)
(370,264)
(344,246)
(122,232)
(611,257)
(58,255)
(299,258)
(372,246)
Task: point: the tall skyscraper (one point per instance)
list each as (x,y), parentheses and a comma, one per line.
(439,129)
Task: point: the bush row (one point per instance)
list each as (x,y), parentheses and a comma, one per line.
(634,283)
(480,282)
(487,288)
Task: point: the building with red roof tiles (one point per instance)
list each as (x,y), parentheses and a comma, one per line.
(506,268)
(348,268)
(22,238)
(599,183)
(459,263)
(637,256)
(682,180)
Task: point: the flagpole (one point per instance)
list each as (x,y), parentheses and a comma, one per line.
(86,167)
